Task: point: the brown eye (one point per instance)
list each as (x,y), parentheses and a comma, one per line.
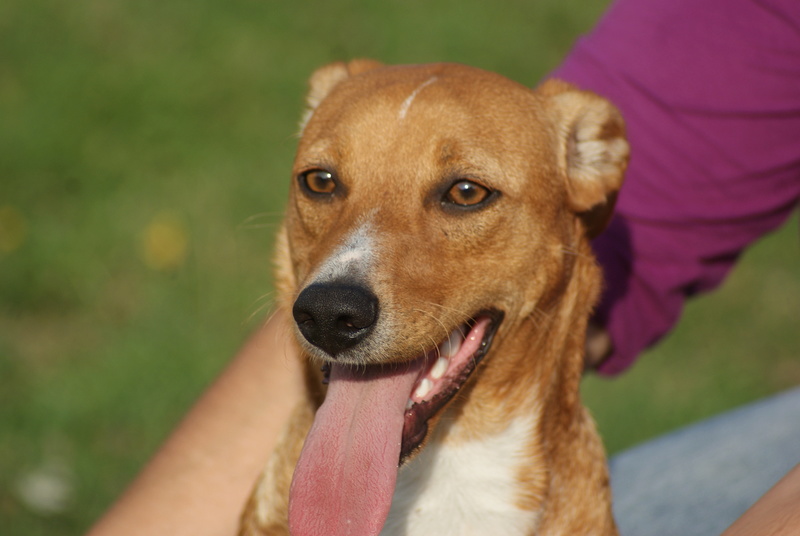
(318,181)
(467,194)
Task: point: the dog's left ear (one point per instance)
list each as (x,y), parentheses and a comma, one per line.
(592,149)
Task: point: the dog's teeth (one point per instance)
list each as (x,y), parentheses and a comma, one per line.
(450,347)
(409,404)
(423,388)
(439,368)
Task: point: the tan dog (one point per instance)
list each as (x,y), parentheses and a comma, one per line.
(435,256)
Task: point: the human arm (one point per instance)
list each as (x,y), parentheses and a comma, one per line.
(777,513)
(199,480)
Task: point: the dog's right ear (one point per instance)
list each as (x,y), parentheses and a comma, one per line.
(324,79)
(593,152)
(328,77)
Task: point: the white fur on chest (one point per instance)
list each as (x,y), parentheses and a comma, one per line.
(471,488)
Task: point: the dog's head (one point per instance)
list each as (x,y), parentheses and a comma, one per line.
(428,204)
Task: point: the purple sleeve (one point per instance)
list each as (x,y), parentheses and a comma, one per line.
(710,91)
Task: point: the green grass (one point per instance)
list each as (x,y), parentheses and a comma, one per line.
(118,119)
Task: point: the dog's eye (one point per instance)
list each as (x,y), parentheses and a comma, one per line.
(318,181)
(467,194)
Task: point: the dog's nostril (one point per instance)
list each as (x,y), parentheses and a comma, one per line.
(351,323)
(302,318)
(335,316)
(347,324)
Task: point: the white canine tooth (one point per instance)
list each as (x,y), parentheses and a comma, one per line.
(456,338)
(450,347)
(444,348)
(423,388)
(440,367)
(409,403)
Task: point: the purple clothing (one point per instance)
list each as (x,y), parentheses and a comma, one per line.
(710,91)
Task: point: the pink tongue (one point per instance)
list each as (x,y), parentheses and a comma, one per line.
(344,481)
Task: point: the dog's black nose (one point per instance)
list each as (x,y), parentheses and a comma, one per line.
(335,316)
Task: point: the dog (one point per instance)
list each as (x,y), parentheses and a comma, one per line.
(435,256)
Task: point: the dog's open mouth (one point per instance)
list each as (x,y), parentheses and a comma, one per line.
(446,370)
(372,419)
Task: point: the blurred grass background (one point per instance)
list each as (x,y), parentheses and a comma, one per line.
(144,156)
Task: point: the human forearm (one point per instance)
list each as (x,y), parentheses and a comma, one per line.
(777,513)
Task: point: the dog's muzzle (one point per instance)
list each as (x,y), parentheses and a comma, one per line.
(335,316)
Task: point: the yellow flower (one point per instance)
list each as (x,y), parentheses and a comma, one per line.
(165,243)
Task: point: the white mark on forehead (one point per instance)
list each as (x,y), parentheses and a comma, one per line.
(352,258)
(304,121)
(410,99)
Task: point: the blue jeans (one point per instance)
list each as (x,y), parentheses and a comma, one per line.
(700,479)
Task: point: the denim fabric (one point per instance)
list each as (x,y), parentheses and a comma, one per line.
(700,479)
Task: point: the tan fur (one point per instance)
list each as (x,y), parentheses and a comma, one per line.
(558,155)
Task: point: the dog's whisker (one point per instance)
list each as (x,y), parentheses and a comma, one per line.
(458,312)
(285,332)
(541,318)
(575,253)
(257,226)
(446,332)
(267,214)
(434,344)
(266,295)
(422,348)
(256,220)
(258,311)
(268,299)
